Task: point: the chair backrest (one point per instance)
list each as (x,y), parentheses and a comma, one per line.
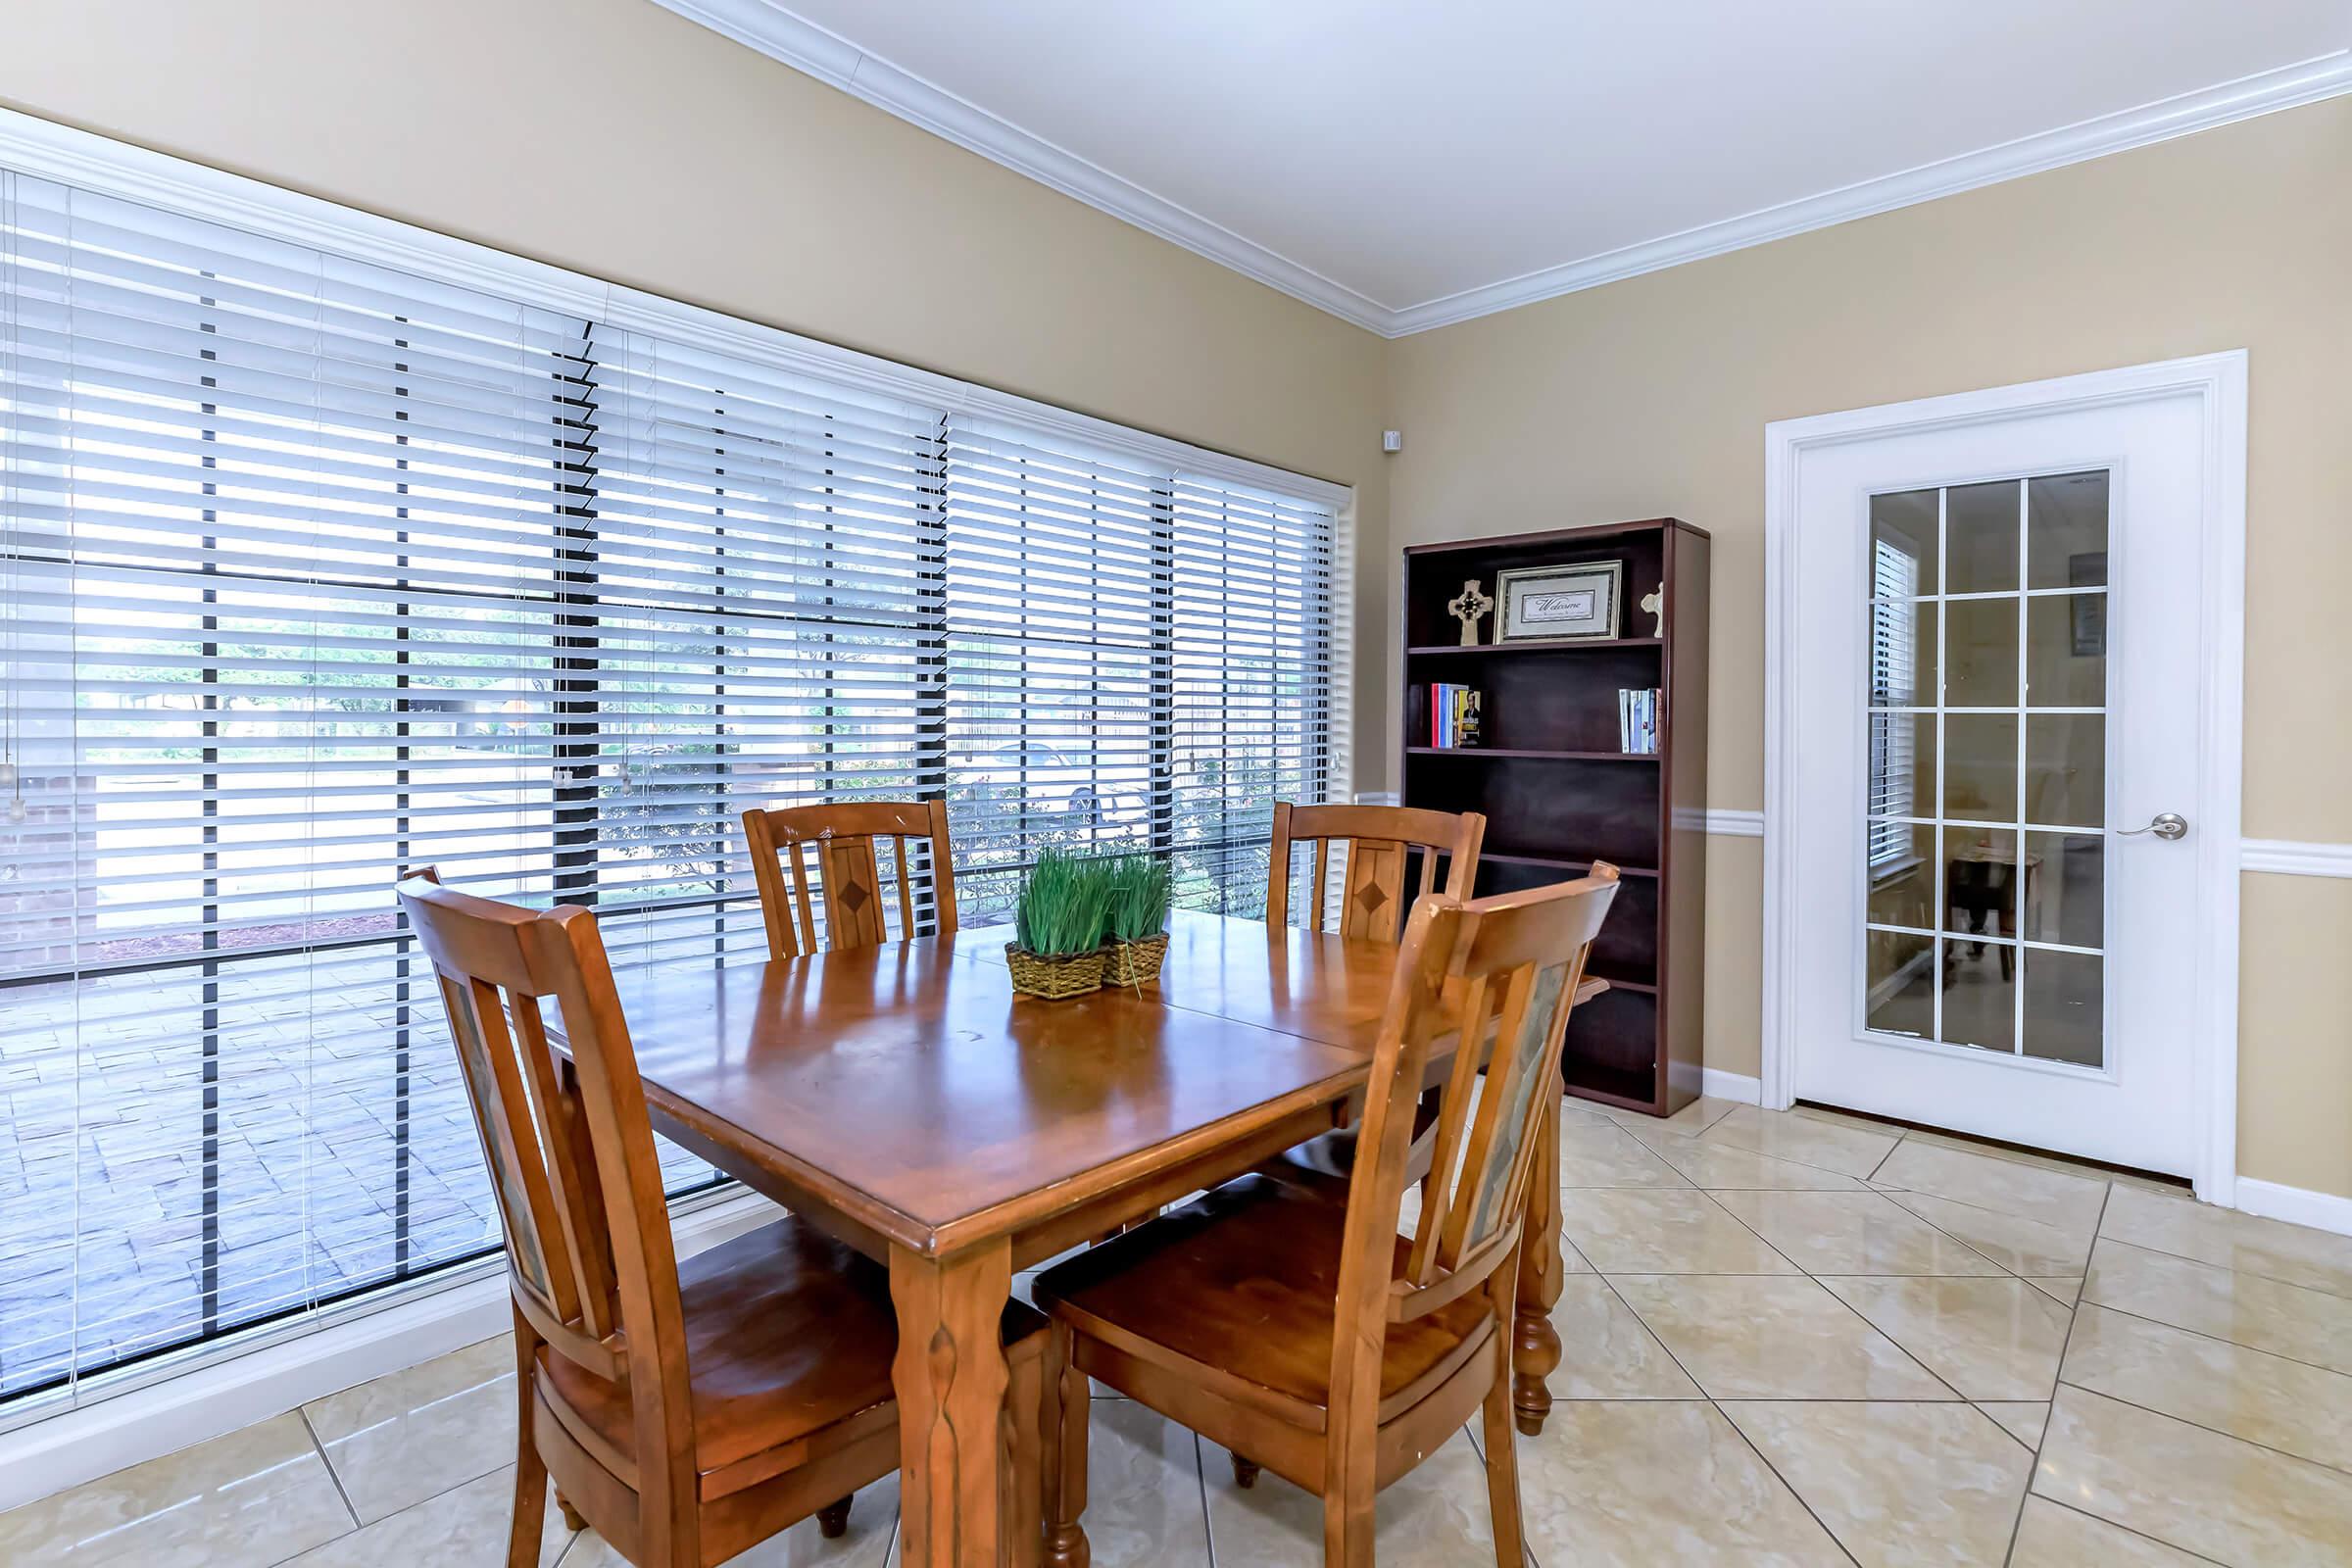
(840,835)
(1378,841)
(1510,967)
(571,1156)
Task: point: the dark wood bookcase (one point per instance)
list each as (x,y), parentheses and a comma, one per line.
(1558,792)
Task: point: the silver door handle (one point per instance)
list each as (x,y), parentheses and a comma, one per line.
(2166,825)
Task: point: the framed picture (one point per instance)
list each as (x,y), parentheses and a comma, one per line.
(1579,601)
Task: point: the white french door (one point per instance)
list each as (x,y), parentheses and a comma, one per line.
(1995,717)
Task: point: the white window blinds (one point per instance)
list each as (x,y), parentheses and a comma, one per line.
(1893,679)
(315,569)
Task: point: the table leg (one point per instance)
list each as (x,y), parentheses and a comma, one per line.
(1536,1348)
(950,1376)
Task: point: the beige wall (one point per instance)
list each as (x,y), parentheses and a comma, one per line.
(1651,396)
(616,139)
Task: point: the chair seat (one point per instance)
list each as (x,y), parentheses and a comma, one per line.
(1241,1282)
(788,1332)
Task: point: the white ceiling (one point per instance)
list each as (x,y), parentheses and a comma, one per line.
(1407,163)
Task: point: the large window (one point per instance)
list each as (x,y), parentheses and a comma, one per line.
(314,569)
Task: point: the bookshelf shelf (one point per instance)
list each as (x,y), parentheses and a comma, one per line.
(1521,754)
(1535,644)
(1547,709)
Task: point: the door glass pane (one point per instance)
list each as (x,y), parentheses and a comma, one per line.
(1979,881)
(2066,888)
(1901,998)
(2066,650)
(1903,657)
(2066,532)
(1980,767)
(1902,875)
(2066,769)
(1903,539)
(2064,1000)
(1987,732)
(1981,522)
(1980,994)
(1979,652)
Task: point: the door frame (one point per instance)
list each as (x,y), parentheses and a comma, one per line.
(2219,382)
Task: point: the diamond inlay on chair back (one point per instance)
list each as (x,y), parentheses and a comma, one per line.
(849,871)
(1377,842)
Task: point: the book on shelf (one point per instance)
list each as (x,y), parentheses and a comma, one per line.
(1453,716)
(1637,721)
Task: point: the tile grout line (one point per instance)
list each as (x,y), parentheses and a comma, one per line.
(1208,1530)
(2073,1315)
(1716,1405)
(2217,1339)
(2206,1262)
(2113,1524)
(311,1433)
(2231,1437)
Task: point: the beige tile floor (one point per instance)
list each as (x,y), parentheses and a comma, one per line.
(1788,1339)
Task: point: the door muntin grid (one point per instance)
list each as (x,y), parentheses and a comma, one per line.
(1984,799)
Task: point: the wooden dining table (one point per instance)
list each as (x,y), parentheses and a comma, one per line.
(903,1099)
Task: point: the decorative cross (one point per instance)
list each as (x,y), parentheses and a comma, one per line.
(1467,609)
(1655,604)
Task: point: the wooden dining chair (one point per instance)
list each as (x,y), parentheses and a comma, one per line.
(687,1410)
(1378,841)
(842,834)
(1296,1325)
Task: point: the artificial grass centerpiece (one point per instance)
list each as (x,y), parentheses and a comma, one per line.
(1136,938)
(1058,924)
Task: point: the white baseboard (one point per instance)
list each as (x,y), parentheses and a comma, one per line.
(2296,1204)
(1720,1084)
(220,1394)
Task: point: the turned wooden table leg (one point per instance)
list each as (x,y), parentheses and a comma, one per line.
(950,1377)
(1536,1347)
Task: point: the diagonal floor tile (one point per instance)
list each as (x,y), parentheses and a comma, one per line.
(1992,1339)
(2020,1246)
(2065,1202)
(1847,1149)
(1721,1166)
(2289,1406)
(2021,1419)
(1625,1231)
(465,1527)
(1606,1353)
(259,1494)
(2262,1314)
(415,1433)
(1897,1484)
(1751,1337)
(1658,1482)
(1691,1120)
(2189,1487)
(1435,1516)
(2064,1288)
(2273,1249)
(2051,1537)
(1600,1153)
(1852,1233)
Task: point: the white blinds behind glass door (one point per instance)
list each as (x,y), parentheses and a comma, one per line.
(762,594)
(281,605)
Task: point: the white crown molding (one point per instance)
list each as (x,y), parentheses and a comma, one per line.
(2289,857)
(2288,86)
(776,32)
(768,27)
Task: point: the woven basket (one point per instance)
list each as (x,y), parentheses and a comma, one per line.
(1053,978)
(1134,963)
